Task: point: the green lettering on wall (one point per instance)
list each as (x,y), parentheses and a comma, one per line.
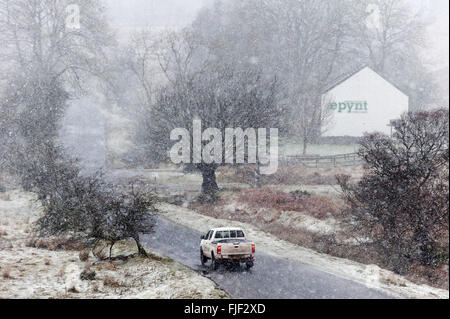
(357,107)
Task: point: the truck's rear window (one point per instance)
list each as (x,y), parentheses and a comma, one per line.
(230,234)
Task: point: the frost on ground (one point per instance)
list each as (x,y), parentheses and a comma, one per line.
(369,275)
(27,272)
(289,219)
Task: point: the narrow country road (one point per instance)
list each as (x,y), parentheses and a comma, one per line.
(271,278)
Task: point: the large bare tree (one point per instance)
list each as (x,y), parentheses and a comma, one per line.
(45,56)
(302,42)
(309,44)
(222,98)
(38,39)
(390,36)
(313,36)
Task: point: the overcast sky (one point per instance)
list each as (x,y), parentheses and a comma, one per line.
(181,12)
(126,14)
(142,13)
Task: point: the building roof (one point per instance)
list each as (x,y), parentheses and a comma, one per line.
(343,78)
(347,76)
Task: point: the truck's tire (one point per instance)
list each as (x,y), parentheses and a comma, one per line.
(249,265)
(203,258)
(214,264)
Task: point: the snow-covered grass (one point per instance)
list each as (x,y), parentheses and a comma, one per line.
(175,181)
(369,275)
(171,178)
(291,219)
(27,272)
(292,174)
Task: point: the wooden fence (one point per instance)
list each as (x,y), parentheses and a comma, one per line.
(340,160)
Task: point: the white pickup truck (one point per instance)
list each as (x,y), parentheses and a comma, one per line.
(227,246)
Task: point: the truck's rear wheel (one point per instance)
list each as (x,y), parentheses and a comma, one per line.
(214,264)
(203,258)
(249,265)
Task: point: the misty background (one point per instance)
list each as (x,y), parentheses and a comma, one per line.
(92,128)
(113,87)
(136,14)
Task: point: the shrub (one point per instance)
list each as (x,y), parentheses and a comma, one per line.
(402,202)
(99,251)
(111,282)
(84,255)
(6,274)
(296,175)
(286,175)
(91,210)
(317,206)
(87,275)
(85,209)
(209,197)
(55,243)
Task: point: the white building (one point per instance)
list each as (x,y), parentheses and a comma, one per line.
(363,102)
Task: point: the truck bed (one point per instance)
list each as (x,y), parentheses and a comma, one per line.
(238,248)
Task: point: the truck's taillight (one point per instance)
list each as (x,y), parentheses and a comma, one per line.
(253,248)
(219,250)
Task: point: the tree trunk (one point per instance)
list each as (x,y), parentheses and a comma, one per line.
(257,173)
(305,146)
(110,250)
(209,179)
(141,249)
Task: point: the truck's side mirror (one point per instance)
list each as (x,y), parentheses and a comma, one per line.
(203,237)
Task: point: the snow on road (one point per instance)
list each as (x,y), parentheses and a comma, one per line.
(271,278)
(371,276)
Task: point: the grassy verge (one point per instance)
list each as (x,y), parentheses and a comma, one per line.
(312,221)
(60,268)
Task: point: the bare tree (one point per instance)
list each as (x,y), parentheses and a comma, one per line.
(45,59)
(301,42)
(181,55)
(85,207)
(386,29)
(221,98)
(309,44)
(38,42)
(388,35)
(313,34)
(314,117)
(30,113)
